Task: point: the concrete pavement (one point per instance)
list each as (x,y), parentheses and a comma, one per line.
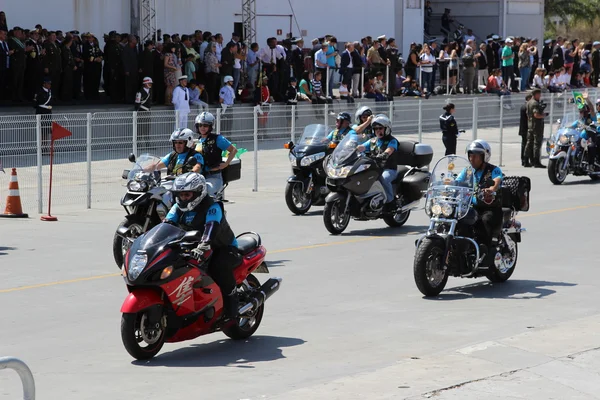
(348,322)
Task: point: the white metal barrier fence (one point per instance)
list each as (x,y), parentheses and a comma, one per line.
(24,373)
(88,164)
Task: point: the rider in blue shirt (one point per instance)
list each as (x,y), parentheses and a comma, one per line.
(183,149)
(342,128)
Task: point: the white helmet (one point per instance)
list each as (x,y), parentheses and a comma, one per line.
(382,120)
(183,134)
(364,110)
(189,182)
(228,78)
(204,118)
(482,147)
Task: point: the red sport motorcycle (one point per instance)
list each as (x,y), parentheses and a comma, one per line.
(172,298)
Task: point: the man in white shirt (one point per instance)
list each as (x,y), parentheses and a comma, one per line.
(181,101)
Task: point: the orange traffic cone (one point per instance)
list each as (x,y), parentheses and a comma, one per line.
(13,200)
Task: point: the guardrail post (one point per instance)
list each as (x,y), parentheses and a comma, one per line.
(551,113)
(387,79)
(420,128)
(293,124)
(219,120)
(326,116)
(255,118)
(88,148)
(475,116)
(40,183)
(24,373)
(362,82)
(328,82)
(391,110)
(501,129)
(135,133)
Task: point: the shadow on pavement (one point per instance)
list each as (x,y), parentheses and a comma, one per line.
(225,353)
(276,263)
(387,231)
(509,290)
(581,180)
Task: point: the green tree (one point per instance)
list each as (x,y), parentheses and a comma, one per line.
(572,11)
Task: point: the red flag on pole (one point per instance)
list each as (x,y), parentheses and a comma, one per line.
(59,132)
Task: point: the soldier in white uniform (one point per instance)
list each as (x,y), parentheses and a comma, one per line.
(181,101)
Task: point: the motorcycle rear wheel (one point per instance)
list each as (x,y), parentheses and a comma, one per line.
(430,255)
(396,220)
(335,223)
(135,330)
(245,327)
(497,275)
(119,247)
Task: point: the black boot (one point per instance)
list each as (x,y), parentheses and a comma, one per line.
(232,305)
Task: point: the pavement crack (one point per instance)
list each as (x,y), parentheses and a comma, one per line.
(458,385)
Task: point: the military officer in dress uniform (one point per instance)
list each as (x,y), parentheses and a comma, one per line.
(34,71)
(53,60)
(43,106)
(92,67)
(77,51)
(143,103)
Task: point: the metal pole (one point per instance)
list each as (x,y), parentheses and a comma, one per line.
(293,127)
(24,373)
(177,119)
(89,159)
(501,128)
(219,121)
(135,133)
(448,80)
(387,79)
(551,114)
(362,82)
(391,110)
(328,82)
(326,116)
(420,120)
(475,116)
(255,118)
(40,184)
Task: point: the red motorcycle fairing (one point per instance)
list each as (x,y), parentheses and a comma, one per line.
(140,299)
(250,262)
(180,292)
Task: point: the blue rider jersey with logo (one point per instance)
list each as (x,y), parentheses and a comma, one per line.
(393,144)
(496,173)
(181,160)
(348,131)
(222,143)
(214,213)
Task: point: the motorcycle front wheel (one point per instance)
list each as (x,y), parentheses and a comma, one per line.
(335,219)
(556,172)
(297,200)
(120,245)
(136,331)
(429,272)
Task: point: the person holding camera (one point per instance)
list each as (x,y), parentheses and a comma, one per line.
(535,130)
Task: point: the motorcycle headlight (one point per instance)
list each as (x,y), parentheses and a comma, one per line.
(137,265)
(447,209)
(436,209)
(340,172)
(135,186)
(563,139)
(306,161)
(292,159)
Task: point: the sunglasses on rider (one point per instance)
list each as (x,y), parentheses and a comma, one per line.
(204,125)
(379,128)
(180,142)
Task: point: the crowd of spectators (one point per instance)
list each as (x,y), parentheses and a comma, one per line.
(288,71)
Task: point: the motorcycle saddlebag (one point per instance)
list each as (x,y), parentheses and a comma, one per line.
(412,185)
(233,172)
(519,188)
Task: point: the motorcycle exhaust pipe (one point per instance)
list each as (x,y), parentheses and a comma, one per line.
(261,295)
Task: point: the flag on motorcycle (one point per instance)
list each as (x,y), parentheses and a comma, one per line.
(578,100)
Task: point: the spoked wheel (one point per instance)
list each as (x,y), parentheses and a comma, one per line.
(297,200)
(430,274)
(247,324)
(335,219)
(504,266)
(556,172)
(398,219)
(141,338)
(120,245)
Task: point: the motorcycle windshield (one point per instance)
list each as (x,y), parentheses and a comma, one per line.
(144,163)
(314,135)
(345,153)
(451,188)
(568,126)
(156,238)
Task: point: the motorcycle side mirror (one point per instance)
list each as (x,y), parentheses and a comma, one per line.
(289,145)
(191,162)
(125,174)
(131,157)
